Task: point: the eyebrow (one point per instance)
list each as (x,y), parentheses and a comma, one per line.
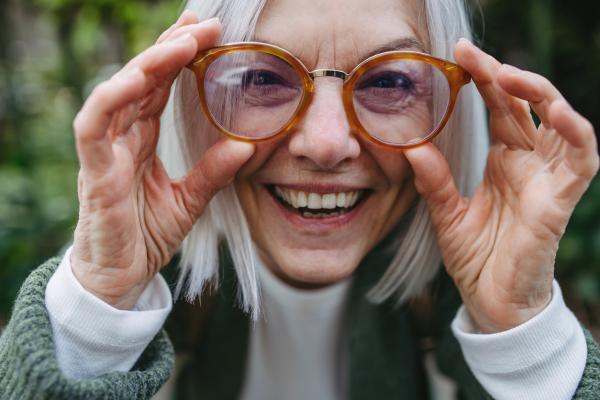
(405,43)
(396,45)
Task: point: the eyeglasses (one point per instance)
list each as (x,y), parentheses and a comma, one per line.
(254,92)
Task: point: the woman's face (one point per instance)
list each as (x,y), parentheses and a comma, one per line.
(322,156)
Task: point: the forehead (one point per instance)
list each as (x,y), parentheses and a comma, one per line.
(338,34)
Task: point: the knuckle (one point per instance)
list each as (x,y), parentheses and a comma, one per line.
(101,91)
(208,188)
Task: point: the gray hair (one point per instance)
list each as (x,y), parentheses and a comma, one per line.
(187,134)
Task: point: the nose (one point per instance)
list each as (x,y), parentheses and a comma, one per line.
(324,135)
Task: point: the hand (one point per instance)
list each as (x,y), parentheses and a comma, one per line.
(132,216)
(500,245)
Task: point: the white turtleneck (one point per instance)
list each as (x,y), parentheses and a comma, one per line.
(298,350)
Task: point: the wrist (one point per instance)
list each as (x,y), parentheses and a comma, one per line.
(504,317)
(104,285)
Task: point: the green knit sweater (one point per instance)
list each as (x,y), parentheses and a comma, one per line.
(29,368)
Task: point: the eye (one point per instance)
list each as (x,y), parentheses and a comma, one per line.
(262,78)
(386,80)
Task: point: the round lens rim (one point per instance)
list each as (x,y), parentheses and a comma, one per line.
(456,76)
(202,62)
(365,66)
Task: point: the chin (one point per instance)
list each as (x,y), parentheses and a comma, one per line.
(312,267)
(313,235)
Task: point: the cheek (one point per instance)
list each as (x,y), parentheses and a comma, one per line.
(392,162)
(262,153)
(246,189)
(402,191)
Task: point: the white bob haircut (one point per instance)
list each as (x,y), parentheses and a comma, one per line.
(187,134)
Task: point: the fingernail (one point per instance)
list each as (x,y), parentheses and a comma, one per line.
(185,12)
(126,76)
(466,40)
(513,69)
(208,21)
(181,39)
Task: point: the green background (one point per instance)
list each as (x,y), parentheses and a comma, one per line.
(53,52)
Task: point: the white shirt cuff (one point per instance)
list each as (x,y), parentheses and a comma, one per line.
(543,358)
(93,338)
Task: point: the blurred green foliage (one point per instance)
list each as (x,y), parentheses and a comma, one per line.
(53,52)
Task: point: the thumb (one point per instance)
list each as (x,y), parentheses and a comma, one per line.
(215,171)
(435,183)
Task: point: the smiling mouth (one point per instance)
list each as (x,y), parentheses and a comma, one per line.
(317,205)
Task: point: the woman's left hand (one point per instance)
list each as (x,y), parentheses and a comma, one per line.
(500,245)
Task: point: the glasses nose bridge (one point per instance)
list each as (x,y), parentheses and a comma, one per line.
(328,72)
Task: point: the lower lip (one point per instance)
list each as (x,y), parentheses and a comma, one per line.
(321,225)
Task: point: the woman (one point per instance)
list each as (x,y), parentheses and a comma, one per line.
(317,261)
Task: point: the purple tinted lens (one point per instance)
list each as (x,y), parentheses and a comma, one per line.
(401,101)
(252,94)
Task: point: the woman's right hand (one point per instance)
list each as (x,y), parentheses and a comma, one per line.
(132,216)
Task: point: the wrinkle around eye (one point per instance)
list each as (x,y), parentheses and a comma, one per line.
(270,95)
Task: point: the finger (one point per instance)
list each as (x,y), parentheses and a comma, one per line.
(179,49)
(162,63)
(581,156)
(187,18)
(204,41)
(483,69)
(94,146)
(512,120)
(129,85)
(213,172)
(434,182)
(534,88)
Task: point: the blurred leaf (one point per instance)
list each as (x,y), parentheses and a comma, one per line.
(587,287)
(52,54)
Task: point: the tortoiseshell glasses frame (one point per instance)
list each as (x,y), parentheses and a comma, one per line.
(457,77)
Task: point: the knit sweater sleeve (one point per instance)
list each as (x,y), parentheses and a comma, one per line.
(29,368)
(589,385)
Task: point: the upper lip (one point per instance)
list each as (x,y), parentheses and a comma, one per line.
(323,188)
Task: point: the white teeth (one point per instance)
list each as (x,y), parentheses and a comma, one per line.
(348,200)
(317,216)
(317,201)
(302,200)
(329,201)
(354,198)
(294,200)
(314,201)
(279,192)
(341,200)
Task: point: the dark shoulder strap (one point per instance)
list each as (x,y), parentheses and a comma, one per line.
(216,357)
(384,356)
(451,362)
